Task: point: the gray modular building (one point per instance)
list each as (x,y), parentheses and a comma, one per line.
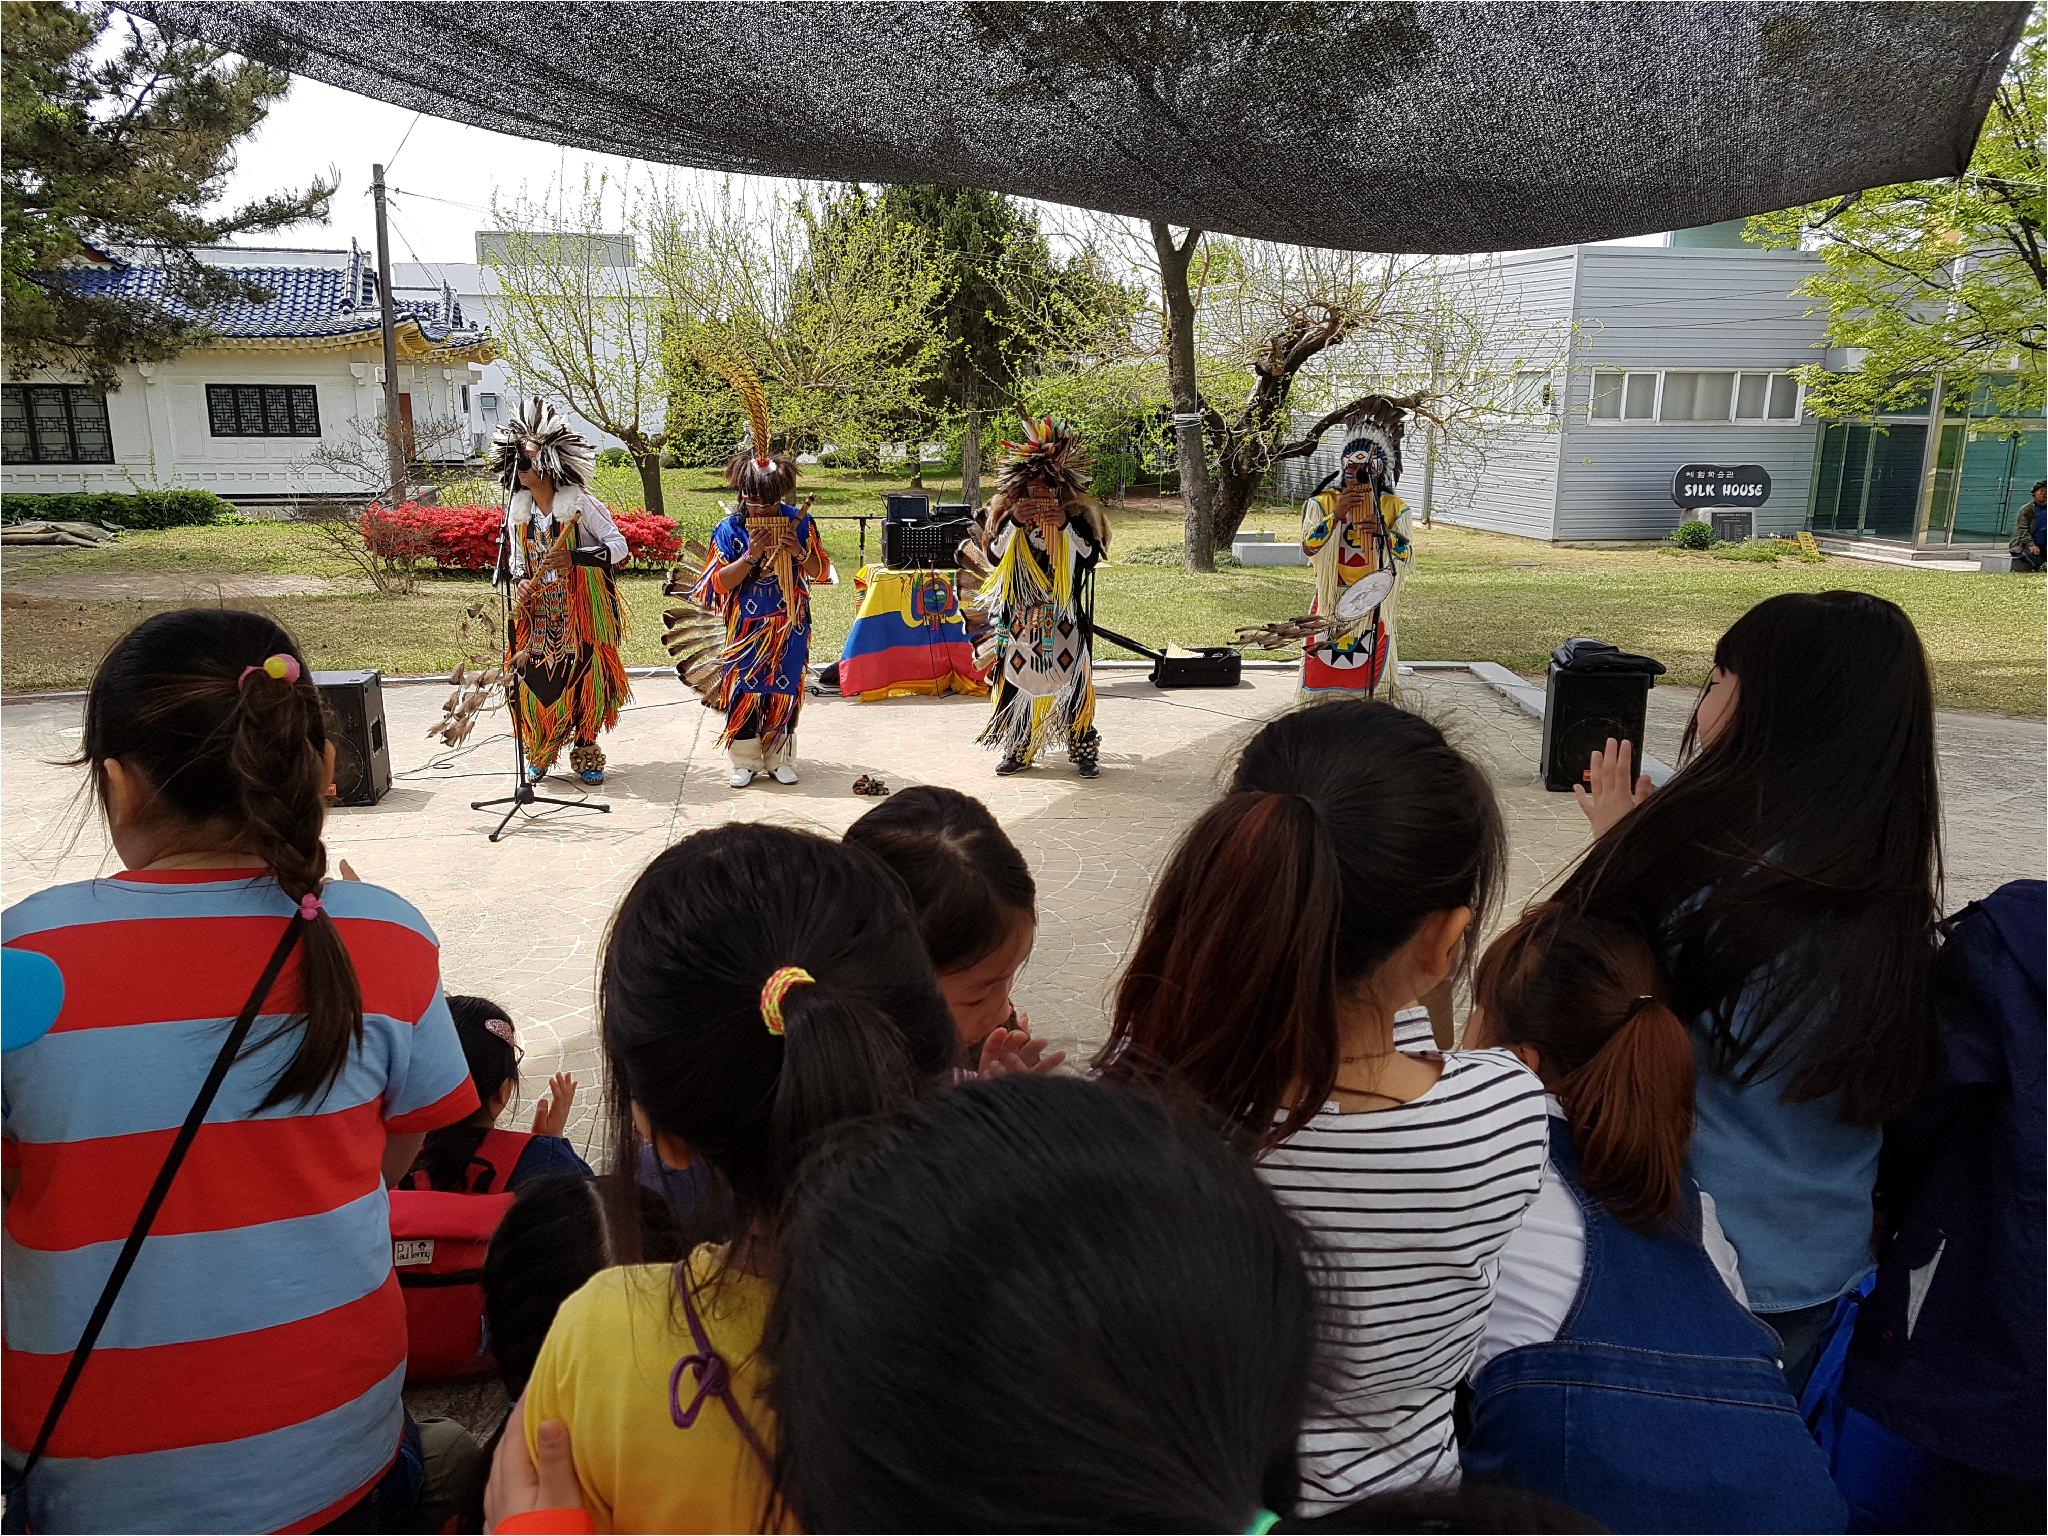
(1682,354)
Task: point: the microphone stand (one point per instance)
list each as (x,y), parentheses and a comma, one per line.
(523,792)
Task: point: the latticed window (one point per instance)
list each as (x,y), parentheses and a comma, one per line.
(263,410)
(54,424)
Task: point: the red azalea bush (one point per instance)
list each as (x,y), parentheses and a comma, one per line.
(466,538)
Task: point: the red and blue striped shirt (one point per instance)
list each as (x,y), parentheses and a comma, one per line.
(249,1376)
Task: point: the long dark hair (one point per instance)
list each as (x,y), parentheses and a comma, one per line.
(1347,824)
(966,879)
(1589,996)
(246,765)
(691,947)
(493,1061)
(559,1232)
(1037,1304)
(1792,867)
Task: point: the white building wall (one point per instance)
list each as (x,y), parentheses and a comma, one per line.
(163,438)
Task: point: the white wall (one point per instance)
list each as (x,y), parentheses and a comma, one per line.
(163,437)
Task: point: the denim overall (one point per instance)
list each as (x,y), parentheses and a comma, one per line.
(1660,1405)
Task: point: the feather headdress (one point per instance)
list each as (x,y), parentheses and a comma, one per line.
(757,473)
(1378,422)
(1050,461)
(556,449)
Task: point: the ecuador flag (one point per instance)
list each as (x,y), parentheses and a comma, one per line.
(908,638)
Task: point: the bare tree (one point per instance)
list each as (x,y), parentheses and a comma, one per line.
(575,318)
(376,543)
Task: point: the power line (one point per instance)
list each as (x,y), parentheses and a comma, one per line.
(393,159)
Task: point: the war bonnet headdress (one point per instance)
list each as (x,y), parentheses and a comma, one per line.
(553,447)
(761,477)
(1377,423)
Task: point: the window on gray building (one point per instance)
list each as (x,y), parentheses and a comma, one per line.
(1681,395)
(54,424)
(1692,396)
(1619,396)
(1530,392)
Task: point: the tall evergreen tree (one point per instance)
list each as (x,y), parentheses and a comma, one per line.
(114,136)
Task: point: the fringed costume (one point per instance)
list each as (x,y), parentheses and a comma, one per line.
(756,581)
(1040,598)
(1353,532)
(566,682)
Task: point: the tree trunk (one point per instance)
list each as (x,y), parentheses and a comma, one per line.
(970,445)
(649,463)
(1232,502)
(1198,546)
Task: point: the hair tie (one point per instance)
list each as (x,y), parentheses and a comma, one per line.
(1636,1007)
(282,667)
(1262,1522)
(502,1028)
(311,906)
(775,988)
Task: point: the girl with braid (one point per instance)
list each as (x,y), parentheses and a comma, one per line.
(265,1275)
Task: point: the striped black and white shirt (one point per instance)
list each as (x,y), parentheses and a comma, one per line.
(1409,1207)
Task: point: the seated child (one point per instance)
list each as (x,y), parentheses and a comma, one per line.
(1620,1370)
(474,1155)
(976,909)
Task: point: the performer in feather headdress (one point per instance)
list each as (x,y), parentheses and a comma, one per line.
(1355,531)
(1041,596)
(562,548)
(764,559)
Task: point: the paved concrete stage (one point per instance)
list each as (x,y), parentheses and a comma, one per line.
(522,920)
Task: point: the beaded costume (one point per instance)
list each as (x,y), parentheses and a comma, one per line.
(1040,598)
(566,682)
(762,606)
(1352,531)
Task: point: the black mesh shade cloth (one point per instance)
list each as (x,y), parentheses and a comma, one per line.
(1435,127)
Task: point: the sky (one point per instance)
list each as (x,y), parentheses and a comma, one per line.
(441,174)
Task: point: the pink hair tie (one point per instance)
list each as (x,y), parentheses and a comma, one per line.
(502,1028)
(311,906)
(281,667)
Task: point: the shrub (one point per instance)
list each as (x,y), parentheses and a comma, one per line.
(466,538)
(614,458)
(1693,535)
(118,509)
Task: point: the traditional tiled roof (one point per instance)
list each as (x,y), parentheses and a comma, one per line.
(323,307)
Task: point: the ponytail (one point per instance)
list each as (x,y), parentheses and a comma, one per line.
(1588,996)
(214,709)
(1233,985)
(843,1058)
(1630,1110)
(278,758)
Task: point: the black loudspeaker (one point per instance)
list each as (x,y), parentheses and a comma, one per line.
(354,702)
(1581,710)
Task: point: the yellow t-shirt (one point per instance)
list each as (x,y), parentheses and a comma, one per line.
(604,1371)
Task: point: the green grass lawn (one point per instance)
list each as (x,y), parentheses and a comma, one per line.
(1472,596)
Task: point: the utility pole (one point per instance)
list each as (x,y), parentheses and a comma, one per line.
(394,433)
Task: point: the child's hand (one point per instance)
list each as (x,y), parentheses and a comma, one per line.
(551,1114)
(1011,1049)
(520,1485)
(1611,790)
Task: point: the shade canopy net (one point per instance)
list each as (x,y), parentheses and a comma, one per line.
(1432,127)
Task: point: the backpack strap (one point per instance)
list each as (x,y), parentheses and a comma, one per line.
(492,1164)
(714,1377)
(174,1159)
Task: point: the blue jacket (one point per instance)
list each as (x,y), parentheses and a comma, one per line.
(1949,1350)
(1660,1405)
